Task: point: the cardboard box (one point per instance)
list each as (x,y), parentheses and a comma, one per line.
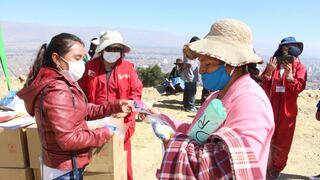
(104,158)
(16,173)
(36,174)
(14,152)
(107,157)
(34,146)
(120,172)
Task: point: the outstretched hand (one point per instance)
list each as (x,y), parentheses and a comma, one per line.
(126,105)
(272,65)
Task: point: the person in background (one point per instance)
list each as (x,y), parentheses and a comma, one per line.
(109,77)
(190,75)
(174,84)
(239,148)
(93,45)
(318,111)
(52,95)
(317,115)
(283,79)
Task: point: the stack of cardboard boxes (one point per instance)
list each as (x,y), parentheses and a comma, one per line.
(14,162)
(21,148)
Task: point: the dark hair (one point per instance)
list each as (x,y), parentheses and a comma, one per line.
(193,39)
(59,44)
(254,72)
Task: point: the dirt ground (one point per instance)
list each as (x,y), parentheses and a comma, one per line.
(304,158)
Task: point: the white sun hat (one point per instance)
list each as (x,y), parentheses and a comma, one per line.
(95,42)
(229,40)
(109,38)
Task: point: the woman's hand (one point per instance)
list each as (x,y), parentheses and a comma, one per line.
(153,111)
(126,105)
(272,65)
(165,143)
(287,68)
(288,71)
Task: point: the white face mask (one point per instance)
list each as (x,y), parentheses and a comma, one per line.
(76,69)
(111,57)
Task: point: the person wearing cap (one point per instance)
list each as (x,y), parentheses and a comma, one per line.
(239,148)
(93,45)
(175,84)
(283,79)
(317,115)
(108,77)
(190,75)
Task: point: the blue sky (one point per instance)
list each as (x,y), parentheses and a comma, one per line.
(269,20)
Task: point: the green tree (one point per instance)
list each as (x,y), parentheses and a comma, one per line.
(151,76)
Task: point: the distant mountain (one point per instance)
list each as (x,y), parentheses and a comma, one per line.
(16,32)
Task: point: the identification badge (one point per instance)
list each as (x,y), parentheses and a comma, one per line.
(280,89)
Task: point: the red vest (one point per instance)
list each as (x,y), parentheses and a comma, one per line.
(123,83)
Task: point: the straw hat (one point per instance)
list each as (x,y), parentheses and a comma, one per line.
(229,40)
(111,38)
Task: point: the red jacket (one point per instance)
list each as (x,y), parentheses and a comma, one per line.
(62,126)
(292,88)
(123,83)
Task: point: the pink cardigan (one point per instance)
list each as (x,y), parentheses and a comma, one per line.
(248,109)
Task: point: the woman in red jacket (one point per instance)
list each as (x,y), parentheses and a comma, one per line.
(284,78)
(52,95)
(109,77)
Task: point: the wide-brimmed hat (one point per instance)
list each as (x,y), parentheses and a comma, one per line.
(229,40)
(109,38)
(95,41)
(291,40)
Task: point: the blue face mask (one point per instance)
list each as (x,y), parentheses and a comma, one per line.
(294,51)
(216,80)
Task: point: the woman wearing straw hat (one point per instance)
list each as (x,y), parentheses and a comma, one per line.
(284,78)
(108,77)
(239,148)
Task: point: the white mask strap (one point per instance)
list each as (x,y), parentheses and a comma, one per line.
(232,71)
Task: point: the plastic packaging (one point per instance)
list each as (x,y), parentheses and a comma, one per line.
(211,119)
(140,107)
(8,98)
(160,128)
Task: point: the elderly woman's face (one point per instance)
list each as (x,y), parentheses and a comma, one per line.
(208,64)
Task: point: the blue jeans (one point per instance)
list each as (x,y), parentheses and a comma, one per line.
(189,94)
(70,175)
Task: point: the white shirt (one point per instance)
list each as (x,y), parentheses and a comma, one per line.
(49,173)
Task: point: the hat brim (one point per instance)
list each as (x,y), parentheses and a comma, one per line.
(230,53)
(300,44)
(103,45)
(95,42)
